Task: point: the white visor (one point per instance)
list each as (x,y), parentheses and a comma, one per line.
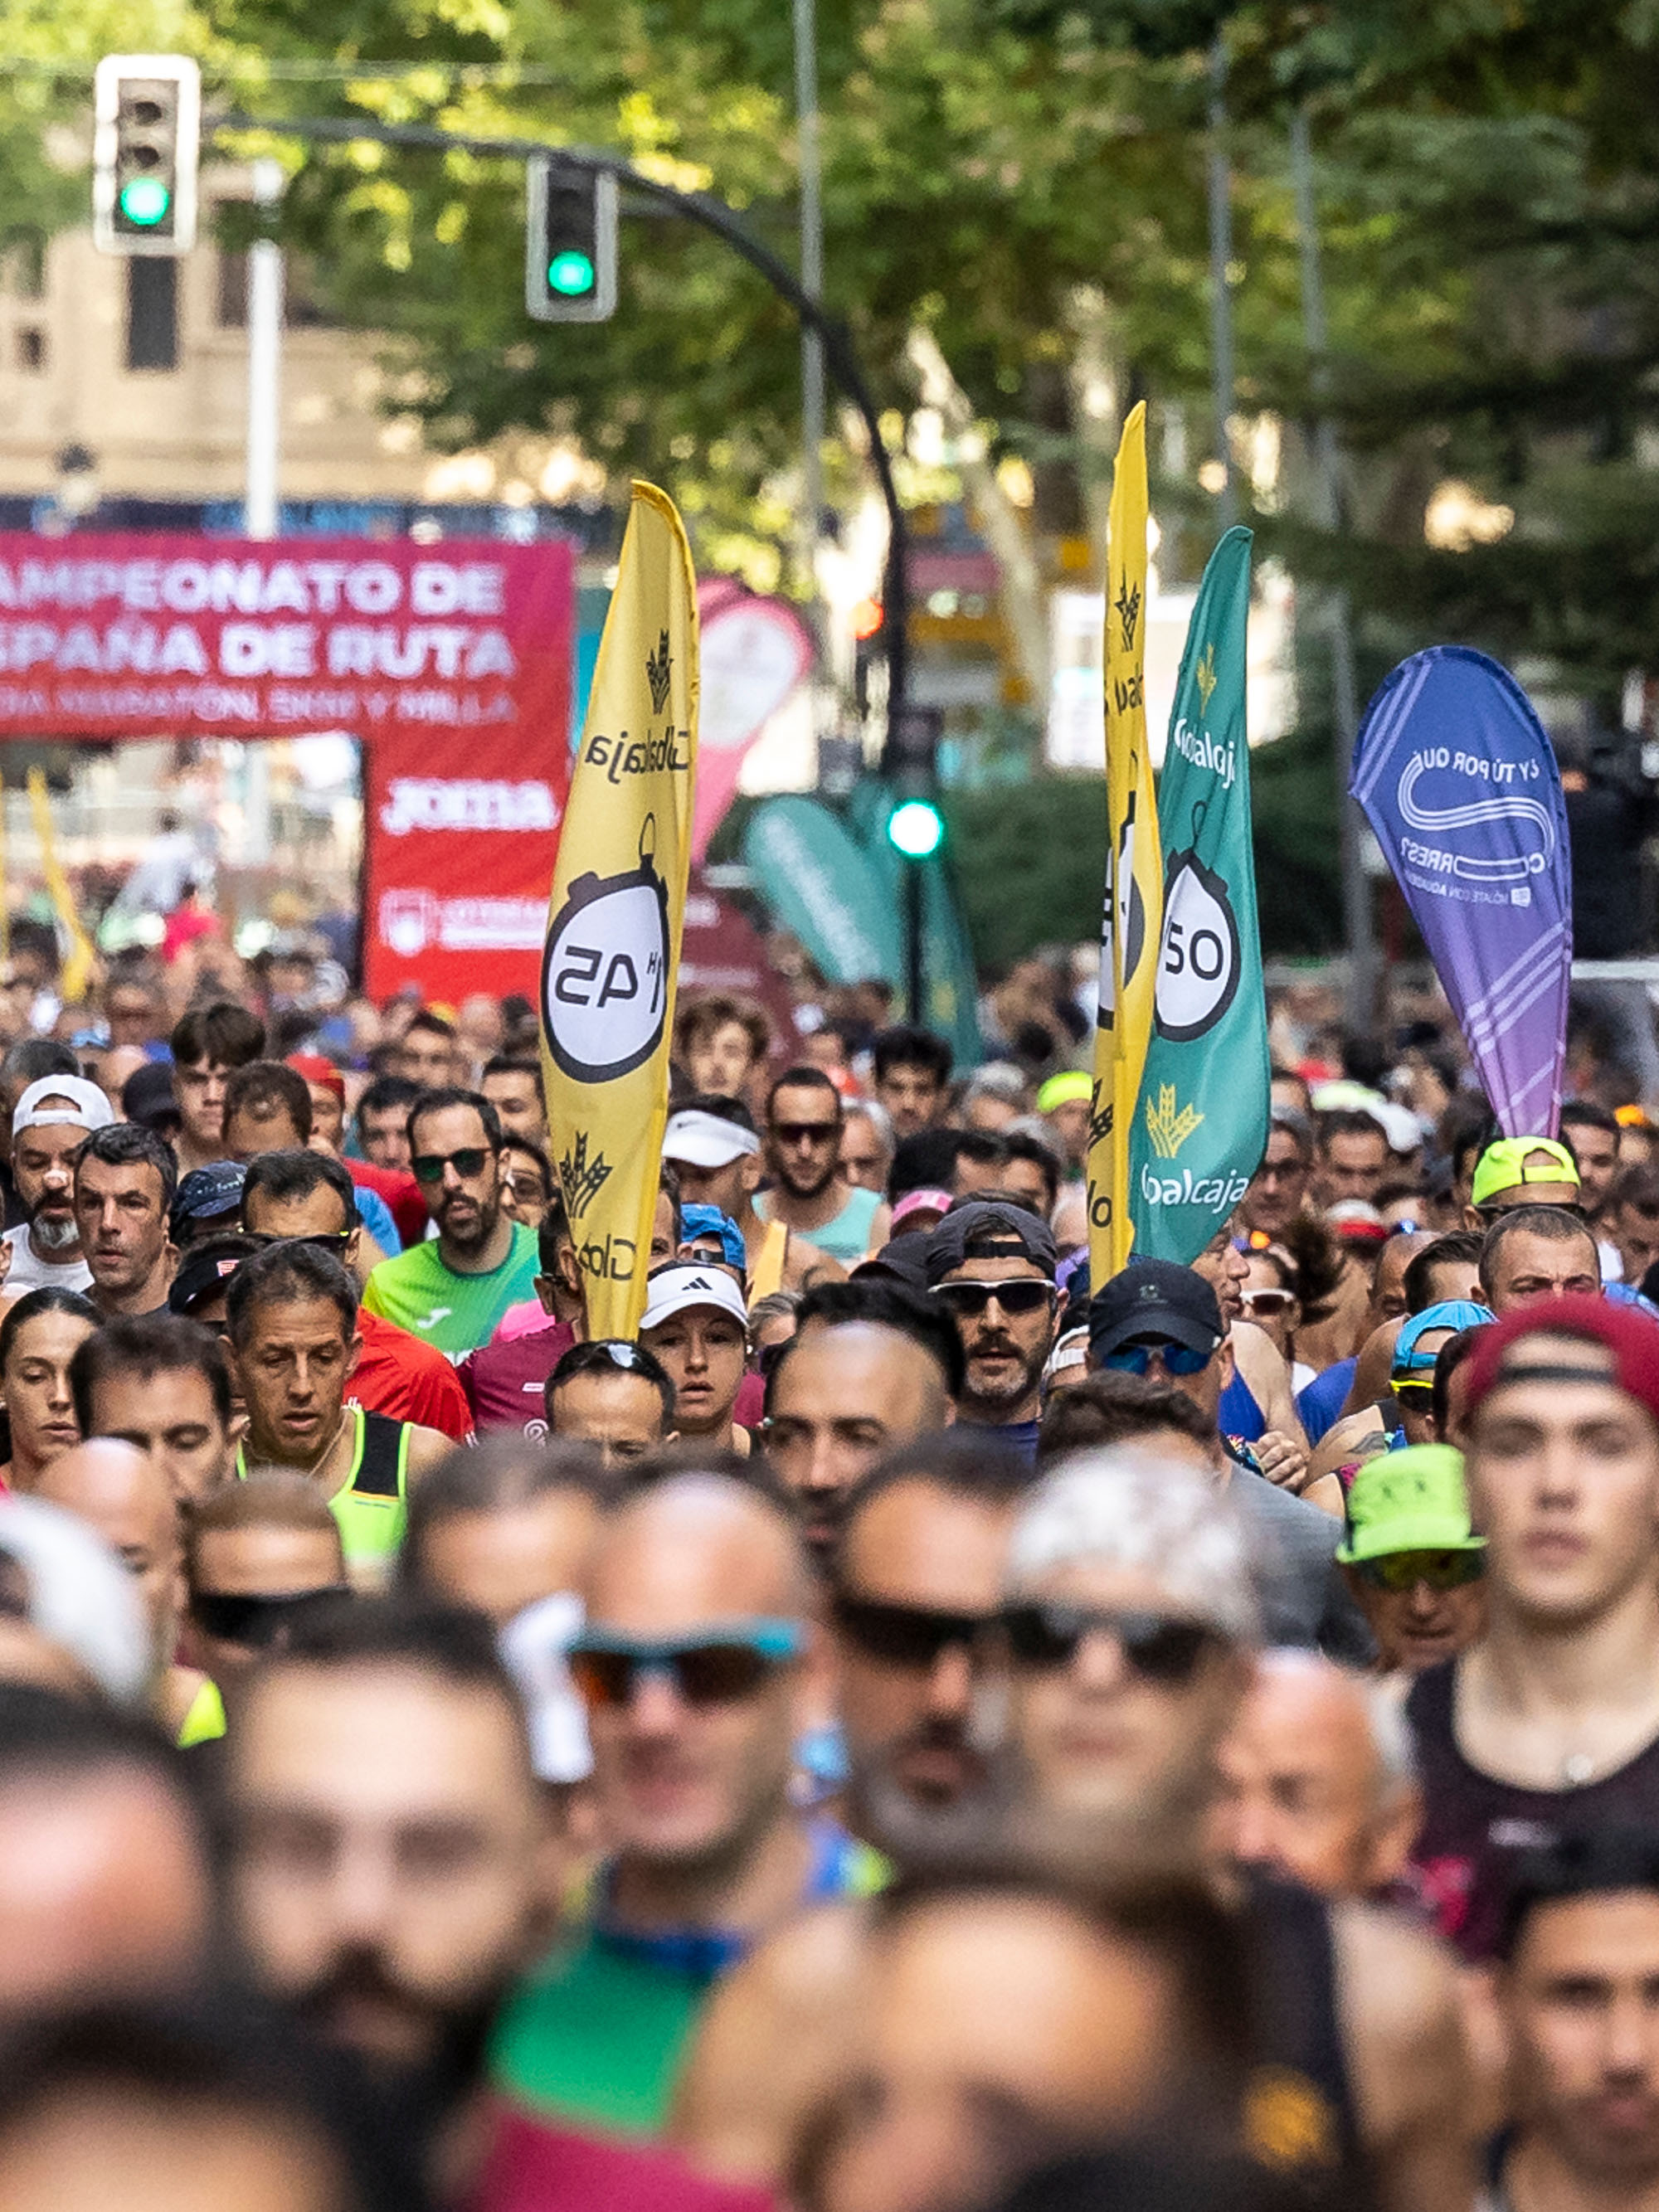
(703,1140)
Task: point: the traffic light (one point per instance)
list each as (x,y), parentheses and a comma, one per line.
(571,243)
(147,138)
(915,826)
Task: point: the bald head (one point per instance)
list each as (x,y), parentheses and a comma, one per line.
(106,1479)
(1316,1778)
(703,1679)
(693,1549)
(124,1496)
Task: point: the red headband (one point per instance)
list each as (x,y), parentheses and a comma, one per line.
(1631,1335)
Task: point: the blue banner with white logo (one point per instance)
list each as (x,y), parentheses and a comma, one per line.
(1459,783)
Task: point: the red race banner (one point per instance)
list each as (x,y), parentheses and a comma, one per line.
(450,663)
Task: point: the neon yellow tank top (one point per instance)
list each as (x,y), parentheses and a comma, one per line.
(372,1505)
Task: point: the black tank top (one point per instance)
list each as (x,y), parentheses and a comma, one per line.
(1299,2116)
(1473,1826)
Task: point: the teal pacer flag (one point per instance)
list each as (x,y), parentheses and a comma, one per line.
(1201,1118)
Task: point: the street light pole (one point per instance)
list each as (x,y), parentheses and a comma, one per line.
(811,282)
(264,416)
(1221,255)
(1345,696)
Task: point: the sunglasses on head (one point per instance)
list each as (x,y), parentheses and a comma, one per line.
(1026,1294)
(1403,1570)
(1266,1302)
(910,1636)
(722,1666)
(428,1167)
(1174,1359)
(1155,1646)
(258,1619)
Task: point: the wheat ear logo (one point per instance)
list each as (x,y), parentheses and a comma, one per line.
(1168,1127)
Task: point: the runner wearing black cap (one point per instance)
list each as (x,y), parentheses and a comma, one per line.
(992,1264)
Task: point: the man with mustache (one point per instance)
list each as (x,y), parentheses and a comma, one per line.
(55,1116)
(452,1289)
(991,1266)
(391,1870)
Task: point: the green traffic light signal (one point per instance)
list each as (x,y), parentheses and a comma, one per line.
(144,201)
(571,274)
(916,828)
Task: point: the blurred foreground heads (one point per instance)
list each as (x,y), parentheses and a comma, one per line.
(1004,2024)
(104,1882)
(1128,1617)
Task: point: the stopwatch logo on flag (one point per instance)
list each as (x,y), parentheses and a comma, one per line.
(605,975)
(1199,960)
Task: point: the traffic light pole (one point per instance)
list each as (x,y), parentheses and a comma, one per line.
(713,214)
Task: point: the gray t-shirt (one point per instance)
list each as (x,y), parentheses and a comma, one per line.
(1303,1598)
(29,1273)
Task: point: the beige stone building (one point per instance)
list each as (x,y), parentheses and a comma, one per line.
(144,364)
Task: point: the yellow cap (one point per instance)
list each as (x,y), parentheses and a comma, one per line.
(1513,1162)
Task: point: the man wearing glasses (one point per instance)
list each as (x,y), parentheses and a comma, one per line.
(991,1266)
(260,1557)
(310,1196)
(699,1668)
(1162,1324)
(1415,1566)
(1129,1622)
(452,1289)
(809,1194)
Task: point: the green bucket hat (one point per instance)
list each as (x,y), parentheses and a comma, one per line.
(1408,1501)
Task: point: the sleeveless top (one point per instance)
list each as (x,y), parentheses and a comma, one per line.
(1299,2114)
(1474,1825)
(372,1506)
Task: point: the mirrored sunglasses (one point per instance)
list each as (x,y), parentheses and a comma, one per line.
(1403,1570)
(1174,1359)
(723,1668)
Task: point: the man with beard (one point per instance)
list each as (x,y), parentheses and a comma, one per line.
(55,1116)
(870,1366)
(991,1266)
(390,1873)
(452,1290)
(1575,1991)
(803,1155)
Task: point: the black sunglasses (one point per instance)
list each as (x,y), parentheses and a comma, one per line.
(258,1619)
(428,1167)
(806,1133)
(1024,1294)
(909,1635)
(1155,1646)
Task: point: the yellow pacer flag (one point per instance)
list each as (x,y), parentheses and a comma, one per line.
(81,960)
(1133,916)
(613,929)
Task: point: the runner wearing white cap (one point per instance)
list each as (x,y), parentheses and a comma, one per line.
(714,1146)
(696,1324)
(54,1119)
